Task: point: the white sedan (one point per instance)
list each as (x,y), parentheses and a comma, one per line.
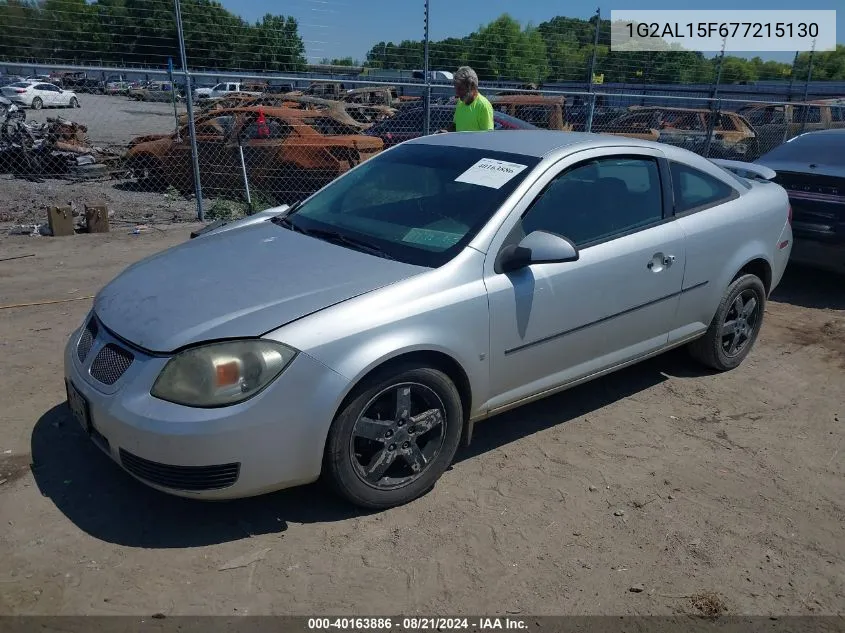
(37,95)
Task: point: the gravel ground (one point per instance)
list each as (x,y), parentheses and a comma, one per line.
(23,202)
(113,121)
(656,490)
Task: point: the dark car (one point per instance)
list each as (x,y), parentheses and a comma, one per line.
(811,167)
(408,123)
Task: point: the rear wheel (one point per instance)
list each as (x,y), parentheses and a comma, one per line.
(735,326)
(37,103)
(395,438)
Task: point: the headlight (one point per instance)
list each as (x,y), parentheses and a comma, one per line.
(221,374)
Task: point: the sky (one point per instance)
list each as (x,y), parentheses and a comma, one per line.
(341,28)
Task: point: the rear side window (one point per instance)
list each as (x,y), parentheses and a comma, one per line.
(694,188)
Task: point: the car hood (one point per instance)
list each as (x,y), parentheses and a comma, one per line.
(239,283)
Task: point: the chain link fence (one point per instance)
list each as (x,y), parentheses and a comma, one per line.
(191,103)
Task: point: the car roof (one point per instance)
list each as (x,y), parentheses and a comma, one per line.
(537,143)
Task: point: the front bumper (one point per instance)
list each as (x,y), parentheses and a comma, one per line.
(274,440)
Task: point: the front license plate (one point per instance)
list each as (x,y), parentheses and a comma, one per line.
(78,406)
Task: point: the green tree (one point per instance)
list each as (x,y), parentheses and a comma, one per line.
(143,33)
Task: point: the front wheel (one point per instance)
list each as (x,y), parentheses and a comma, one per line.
(74,102)
(395,438)
(37,103)
(735,326)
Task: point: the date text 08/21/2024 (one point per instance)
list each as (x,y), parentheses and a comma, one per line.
(723,29)
(416,624)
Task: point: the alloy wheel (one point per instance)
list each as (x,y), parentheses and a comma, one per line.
(740,323)
(399,434)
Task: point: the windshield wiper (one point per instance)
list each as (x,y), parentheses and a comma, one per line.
(339,238)
(286,222)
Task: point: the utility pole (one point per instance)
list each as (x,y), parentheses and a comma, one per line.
(714,104)
(190,102)
(592,106)
(792,77)
(426,124)
(807,88)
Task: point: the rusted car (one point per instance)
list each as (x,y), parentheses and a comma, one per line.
(287,152)
(381,95)
(544,112)
(733,136)
(206,106)
(777,123)
(351,118)
(161,91)
(346,113)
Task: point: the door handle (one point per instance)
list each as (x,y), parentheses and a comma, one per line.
(660,262)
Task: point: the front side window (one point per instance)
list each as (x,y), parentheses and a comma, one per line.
(599,199)
(420,204)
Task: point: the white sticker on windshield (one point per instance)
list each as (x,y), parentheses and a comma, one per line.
(489,172)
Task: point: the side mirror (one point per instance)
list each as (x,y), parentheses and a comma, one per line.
(539,247)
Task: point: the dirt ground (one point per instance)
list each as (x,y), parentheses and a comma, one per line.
(657,490)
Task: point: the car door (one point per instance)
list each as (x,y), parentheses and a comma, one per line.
(42,91)
(556,323)
(55,95)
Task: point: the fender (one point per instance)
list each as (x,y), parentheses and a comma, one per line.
(221,226)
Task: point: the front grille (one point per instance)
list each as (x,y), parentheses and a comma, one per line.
(111,363)
(86,340)
(181,477)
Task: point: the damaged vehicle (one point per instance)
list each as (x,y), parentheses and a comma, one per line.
(360,335)
(733,136)
(286,152)
(55,148)
(777,123)
(548,113)
(10,112)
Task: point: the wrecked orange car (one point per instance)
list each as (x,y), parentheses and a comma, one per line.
(287,152)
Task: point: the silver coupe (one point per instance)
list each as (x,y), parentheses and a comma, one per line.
(360,334)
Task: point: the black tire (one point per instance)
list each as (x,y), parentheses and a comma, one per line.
(74,102)
(37,103)
(715,349)
(342,464)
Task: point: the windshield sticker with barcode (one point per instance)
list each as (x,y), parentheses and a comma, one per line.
(430,237)
(492,173)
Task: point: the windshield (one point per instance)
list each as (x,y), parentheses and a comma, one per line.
(823,149)
(420,204)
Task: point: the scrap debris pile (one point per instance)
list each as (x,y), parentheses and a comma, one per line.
(58,147)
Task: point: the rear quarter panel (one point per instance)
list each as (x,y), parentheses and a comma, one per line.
(720,241)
